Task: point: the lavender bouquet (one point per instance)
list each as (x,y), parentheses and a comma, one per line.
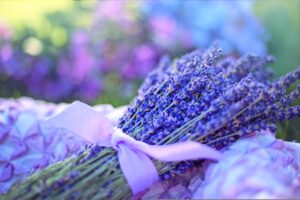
(201,97)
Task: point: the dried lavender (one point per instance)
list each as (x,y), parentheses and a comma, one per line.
(201,97)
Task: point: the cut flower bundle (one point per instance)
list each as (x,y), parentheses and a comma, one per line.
(201,97)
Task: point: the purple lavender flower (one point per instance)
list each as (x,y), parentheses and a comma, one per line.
(198,97)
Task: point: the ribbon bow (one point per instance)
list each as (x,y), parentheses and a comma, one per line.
(134,156)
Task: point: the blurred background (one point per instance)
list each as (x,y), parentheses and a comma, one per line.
(100,51)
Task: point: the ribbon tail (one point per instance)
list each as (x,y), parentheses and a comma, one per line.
(137,168)
(182,151)
(83,120)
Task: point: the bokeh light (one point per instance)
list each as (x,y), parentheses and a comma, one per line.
(100,51)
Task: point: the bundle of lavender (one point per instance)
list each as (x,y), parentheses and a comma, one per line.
(201,97)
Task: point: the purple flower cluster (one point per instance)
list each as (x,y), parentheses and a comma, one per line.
(120,45)
(26,145)
(71,75)
(276,173)
(210,99)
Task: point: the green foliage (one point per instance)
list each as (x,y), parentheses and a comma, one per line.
(282,20)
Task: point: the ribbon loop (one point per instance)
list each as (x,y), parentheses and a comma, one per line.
(134,156)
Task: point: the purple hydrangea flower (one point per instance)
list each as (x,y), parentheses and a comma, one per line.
(26,144)
(259,167)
